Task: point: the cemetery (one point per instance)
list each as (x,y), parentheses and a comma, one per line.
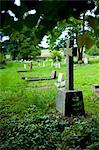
(49,75)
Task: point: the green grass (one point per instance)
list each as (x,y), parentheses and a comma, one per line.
(28,116)
(20,94)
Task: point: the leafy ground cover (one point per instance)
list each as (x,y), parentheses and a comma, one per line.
(28,116)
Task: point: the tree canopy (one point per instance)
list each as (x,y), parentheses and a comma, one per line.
(48,13)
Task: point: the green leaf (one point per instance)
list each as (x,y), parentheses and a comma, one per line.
(85,40)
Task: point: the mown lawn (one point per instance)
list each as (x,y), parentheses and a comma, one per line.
(28,109)
(12,86)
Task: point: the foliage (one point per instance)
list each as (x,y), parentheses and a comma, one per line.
(21,46)
(48,13)
(56,55)
(94,23)
(48,132)
(80,133)
(85,40)
(93,51)
(53,36)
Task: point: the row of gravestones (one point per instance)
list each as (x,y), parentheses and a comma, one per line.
(56,65)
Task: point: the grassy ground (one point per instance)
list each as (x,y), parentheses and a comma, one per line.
(20,91)
(21,100)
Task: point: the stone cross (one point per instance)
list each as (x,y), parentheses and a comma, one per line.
(69,68)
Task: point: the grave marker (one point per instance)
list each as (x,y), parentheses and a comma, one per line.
(69,68)
(24,66)
(60,77)
(85,60)
(69,101)
(44,64)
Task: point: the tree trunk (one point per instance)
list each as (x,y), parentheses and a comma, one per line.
(80,55)
(80,51)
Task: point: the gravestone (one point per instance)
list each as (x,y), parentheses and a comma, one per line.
(60,77)
(60,83)
(53,74)
(85,60)
(57,64)
(43,64)
(69,101)
(24,66)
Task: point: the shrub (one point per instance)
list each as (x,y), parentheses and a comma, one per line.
(93,51)
(81,134)
(56,54)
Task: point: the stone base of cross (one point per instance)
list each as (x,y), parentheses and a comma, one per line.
(69,101)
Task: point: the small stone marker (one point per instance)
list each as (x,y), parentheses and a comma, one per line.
(60,77)
(85,60)
(53,74)
(24,66)
(43,64)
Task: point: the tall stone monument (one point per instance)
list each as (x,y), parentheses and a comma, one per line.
(69,101)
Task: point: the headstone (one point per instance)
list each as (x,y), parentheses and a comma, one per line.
(60,77)
(43,63)
(60,82)
(24,66)
(53,74)
(85,60)
(21,60)
(59,65)
(56,65)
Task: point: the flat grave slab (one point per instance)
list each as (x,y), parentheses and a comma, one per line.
(52,76)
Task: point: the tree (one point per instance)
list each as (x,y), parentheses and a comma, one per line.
(21,46)
(48,13)
(76,28)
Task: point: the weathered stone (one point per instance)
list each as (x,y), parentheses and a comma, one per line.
(70,102)
(95,88)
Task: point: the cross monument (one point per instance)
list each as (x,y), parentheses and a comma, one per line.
(69,101)
(69,65)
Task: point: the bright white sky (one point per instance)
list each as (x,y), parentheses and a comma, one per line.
(17,2)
